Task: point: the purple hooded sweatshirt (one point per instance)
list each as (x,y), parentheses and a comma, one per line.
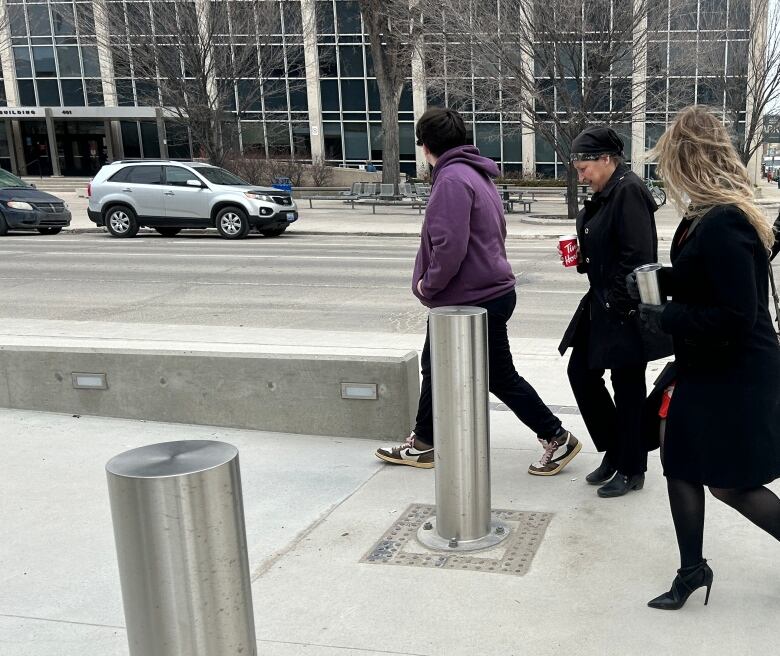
(462,258)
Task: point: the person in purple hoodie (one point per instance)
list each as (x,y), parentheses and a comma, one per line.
(462,261)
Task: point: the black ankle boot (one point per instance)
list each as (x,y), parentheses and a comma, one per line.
(621,484)
(687,580)
(602,473)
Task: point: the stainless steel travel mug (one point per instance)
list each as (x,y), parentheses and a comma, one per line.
(647,281)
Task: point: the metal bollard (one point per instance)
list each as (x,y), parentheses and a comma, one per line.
(181,545)
(459,376)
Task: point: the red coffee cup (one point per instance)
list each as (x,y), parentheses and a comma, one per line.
(568,246)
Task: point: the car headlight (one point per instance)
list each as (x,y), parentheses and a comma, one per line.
(255,196)
(19,205)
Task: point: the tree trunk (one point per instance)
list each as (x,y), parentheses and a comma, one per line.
(391,172)
(572,203)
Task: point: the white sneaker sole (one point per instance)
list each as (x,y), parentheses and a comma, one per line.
(561,463)
(411,463)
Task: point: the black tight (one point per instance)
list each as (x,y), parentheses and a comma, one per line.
(760,505)
(687,503)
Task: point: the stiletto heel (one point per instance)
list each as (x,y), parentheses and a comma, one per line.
(688,580)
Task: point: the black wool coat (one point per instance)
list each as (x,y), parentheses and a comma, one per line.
(723,425)
(616,233)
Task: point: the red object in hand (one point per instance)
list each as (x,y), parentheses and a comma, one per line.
(569,252)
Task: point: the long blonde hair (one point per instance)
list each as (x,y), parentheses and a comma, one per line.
(696,159)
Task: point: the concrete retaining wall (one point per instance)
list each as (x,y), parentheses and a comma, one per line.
(263,391)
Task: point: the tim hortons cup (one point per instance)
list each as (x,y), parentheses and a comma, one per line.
(568,246)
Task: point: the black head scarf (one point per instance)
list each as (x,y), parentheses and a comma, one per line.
(595,141)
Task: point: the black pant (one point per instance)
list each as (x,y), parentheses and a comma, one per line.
(504,381)
(614,426)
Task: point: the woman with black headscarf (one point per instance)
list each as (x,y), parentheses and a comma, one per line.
(616,233)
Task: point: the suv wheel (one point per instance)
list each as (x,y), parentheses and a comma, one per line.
(232,223)
(55,230)
(273,233)
(121,222)
(168,232)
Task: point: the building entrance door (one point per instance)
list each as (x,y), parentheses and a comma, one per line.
(82,147)
(35,143)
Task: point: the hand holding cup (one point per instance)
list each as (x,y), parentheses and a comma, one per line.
(569,250)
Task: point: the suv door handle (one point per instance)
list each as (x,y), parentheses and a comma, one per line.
(127,189)
(169,193)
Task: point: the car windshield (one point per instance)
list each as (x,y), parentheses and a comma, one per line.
(219,176)
(8,181)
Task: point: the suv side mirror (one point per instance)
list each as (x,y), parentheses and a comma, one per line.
(195,183)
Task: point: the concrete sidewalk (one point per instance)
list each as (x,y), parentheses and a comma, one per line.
(316,506)
(334,217)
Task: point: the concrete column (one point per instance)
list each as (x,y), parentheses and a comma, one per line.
(528,136)
(161,134)
(312,60)
(756,72)
(15,144)
(53,152)
(104,54)
(18,147)
(9,72)
(109,141)
(202,10)
(419,100)
(106,61)
(639,96)
(11,150)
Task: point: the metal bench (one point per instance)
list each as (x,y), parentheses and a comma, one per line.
(525,204)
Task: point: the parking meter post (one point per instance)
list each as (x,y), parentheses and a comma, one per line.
(459,376)
(181,547)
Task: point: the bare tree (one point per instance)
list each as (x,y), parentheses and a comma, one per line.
(321,173)
(393,27)
(557,65)
(744,72)
(206,63)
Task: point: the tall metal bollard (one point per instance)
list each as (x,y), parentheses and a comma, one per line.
(459,372)
(181,545)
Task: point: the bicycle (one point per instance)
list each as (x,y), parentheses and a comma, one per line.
(658,194)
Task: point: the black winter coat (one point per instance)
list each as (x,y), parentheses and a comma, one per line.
(616,233)
(723,425)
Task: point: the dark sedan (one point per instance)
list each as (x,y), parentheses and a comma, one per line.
(23,207)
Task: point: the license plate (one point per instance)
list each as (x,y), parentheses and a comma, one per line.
(291,217)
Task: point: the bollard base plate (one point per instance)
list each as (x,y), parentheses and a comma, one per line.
(399,545)
(428,536)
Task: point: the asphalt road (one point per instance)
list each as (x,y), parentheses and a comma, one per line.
(320,282)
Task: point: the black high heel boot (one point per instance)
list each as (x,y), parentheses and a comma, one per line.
(687,580)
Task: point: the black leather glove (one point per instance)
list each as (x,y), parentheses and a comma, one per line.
(650,316)
(632,287)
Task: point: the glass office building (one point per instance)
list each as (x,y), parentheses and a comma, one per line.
(67,106)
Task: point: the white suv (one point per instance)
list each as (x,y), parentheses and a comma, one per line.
(169,196)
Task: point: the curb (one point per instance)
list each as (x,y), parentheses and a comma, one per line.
(369,233)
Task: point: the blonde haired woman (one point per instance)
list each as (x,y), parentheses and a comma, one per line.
(723,420)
